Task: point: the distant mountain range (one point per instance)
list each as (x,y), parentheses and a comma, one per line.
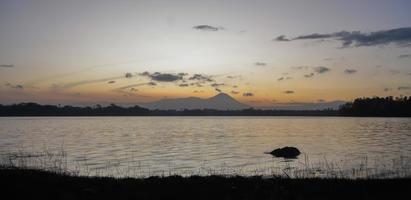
(307,106)
(221,101)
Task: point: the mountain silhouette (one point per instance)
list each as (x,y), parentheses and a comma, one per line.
(221,101)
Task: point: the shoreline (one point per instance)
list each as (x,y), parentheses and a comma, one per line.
(21,183)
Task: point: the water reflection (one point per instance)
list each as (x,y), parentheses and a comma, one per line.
(156,145)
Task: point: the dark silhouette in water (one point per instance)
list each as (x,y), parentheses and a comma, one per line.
(376,106)
(286,152)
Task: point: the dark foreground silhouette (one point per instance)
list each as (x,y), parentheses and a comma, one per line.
(367,107)
(34,184)
(286,152)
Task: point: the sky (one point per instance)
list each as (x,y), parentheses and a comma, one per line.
(261,52)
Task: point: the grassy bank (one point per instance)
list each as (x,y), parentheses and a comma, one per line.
(18,183)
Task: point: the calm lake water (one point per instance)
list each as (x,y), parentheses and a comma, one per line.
(130,146)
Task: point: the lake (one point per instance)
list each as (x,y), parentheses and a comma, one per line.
(145,146)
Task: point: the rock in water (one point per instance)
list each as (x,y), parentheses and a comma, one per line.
(286,152)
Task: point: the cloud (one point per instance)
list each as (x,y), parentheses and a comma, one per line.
(6,65)
(350,71)
(260,64)
(281,38)
(131,86)
(248,94)
(217,85)
(398,36)
(163,77)
(300,67)
(404,56)
(152,83)
(234,77)
(128,75)
(404,88)
(183,85)
(393,71)
(196,84)
(208,28)
(309,75)
(289,92)
(234,92)
(321,69)
(387,89)
(78,83)
(111,82)
(284,78)
(217,89)
(17,86)
(313,36)
(201,78)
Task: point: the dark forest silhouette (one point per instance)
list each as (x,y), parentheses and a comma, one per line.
(378,106)
(375,106)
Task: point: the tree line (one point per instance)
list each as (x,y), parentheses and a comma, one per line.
(378,107)
(375,106)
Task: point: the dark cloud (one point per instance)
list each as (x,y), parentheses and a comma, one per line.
(284,78)
(217,85)
(321,69)
(309,75)
(201,78)
(320,100)
(350,71)
(248,94)
(260,64)
(387,89)
(196,84)
(404,56)
(208,28)
(198,91)
(404,88)
(234,77)
(281,38)
(128,75)
(163,77)
(6,66)
(123,89)
(218,90)
(78,83)
(399,36)
(235,86)
(111,82)
(234,92)
(152,83)
(17,86)
(183,85)
(313,36)
(289,92)
(393,71)
(300,67)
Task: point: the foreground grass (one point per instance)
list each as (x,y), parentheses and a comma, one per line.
(18,183)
